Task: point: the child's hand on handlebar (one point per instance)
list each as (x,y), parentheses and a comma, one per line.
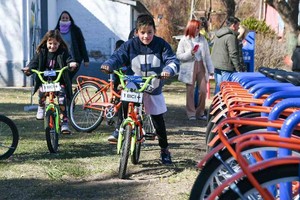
(165,75)
(26,71)
(105,69)
(73,65)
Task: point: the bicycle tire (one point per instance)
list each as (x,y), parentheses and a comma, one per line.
(51,132)
(9,137)
(211,125)
(280,174)
(85,120)
(214,172)
(125,151)
(135,157)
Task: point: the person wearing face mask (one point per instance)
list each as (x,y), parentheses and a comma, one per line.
(73,36)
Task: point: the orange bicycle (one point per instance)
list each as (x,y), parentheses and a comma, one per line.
(93,100)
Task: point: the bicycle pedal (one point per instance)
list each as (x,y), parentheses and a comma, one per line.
(110,122)
(149,136)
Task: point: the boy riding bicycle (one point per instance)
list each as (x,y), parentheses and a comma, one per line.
(147,54)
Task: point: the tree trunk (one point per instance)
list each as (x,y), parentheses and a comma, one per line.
(289,14)
(230,7)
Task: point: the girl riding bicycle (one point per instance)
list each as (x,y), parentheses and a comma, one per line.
(52,53)
(147,55)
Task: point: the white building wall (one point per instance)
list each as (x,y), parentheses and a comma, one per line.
(101,22)
(11,37)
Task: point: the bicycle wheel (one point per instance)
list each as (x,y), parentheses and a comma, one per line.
(125,150)
(51,132)
(214,173)
(135,157)
(9,137)
(85,119)
(280,174)
(211,135)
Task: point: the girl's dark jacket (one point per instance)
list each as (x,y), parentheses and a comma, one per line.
(39,62)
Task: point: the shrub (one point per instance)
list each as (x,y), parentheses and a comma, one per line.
(269,51)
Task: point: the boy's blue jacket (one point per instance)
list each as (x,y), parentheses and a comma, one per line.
(145,60)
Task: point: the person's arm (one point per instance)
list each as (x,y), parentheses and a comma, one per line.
(183,54)
(33,64)
(233,51)
(170,60)
(82,47)
(69,61)
(208,60)
(118,59)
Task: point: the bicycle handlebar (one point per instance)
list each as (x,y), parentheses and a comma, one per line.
(135,79)
(39,74)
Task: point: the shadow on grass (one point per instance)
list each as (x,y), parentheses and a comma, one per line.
(42,189)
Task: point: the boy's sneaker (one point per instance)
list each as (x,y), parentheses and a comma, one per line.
(113,138)
(65,128)
(165,157)
(40,113)
(203,117)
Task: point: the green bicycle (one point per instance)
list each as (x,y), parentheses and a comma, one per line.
(52,122)
(131,131)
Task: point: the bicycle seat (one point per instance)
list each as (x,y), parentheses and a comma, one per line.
(269,72)
(294,78)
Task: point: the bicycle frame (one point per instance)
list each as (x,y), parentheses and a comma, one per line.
(104,86)
(52,105)
(134,112)
(50,90)
(262,139)
(271,138)
(133,120)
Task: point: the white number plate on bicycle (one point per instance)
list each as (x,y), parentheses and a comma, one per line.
(131,96)
(50,87)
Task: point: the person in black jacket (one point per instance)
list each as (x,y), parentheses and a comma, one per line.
(73,36)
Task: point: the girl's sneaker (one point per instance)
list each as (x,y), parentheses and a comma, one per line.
(203,117)
(165,157)
(113,138)
(40,113)
(65,128)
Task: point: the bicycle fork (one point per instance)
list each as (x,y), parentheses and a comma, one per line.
(128,122)
(51,124)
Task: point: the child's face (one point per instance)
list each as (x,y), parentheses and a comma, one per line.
(146,34)
(52,45)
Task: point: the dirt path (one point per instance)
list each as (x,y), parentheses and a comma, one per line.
(150,179)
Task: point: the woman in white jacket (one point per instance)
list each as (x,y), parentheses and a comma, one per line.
(195,68)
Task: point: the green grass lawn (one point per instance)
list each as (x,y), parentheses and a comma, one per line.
(33,173)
